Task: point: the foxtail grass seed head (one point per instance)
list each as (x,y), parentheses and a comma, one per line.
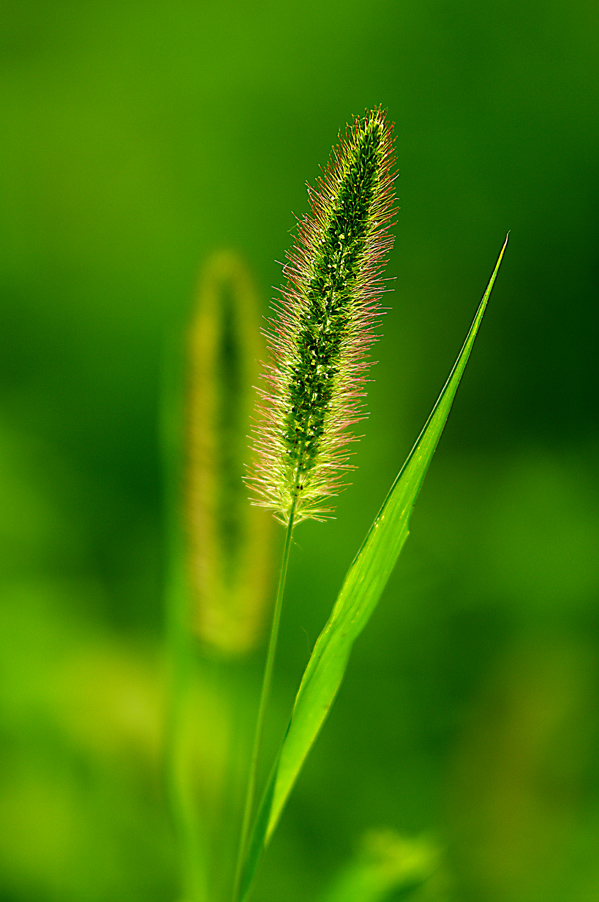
(229,543)
(323,327)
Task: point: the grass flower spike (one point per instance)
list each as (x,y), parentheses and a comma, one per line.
(228,541)
(324,326)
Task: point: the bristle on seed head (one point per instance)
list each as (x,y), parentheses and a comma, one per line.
(323,327)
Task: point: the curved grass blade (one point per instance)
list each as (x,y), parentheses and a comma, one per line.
(386,864)
(363,586)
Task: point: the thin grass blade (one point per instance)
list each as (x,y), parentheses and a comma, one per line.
(363,586)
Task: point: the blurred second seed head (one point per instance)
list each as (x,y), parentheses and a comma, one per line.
(228,540)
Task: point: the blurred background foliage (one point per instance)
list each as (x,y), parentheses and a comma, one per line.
(138,138)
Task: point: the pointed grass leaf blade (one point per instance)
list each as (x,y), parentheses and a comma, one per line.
(364,584)
(360,593)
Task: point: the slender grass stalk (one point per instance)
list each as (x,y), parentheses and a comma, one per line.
(319,338)
(263,704)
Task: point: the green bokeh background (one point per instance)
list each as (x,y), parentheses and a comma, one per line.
(137,138)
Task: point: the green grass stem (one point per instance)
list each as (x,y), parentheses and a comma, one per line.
(263,704)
